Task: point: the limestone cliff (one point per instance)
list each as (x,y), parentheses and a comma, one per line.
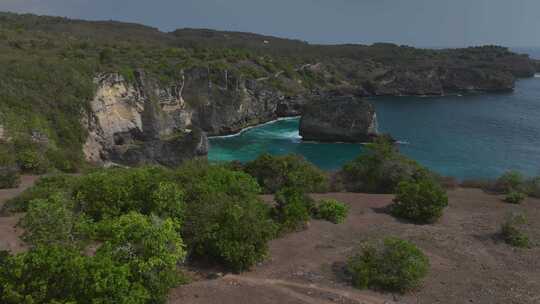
(143,121)
(337,118)
(136,119)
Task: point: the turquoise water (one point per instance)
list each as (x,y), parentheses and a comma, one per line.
(475,136)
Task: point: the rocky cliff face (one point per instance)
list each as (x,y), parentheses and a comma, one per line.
(346,119)
(144,122)
(139,122)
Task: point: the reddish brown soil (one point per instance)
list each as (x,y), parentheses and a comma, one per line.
(9,232)
(469,263)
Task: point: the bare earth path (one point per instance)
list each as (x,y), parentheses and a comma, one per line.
(469,264)
(9,233)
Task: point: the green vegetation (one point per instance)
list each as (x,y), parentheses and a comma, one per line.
(54,274)
(111,193)
(513,233)
(139,225)
(9,173)
(52,221)
(226,222)
(393,265)
(151,247)
(511,181)
(293,209)
(381,168)
(44,188)
(420,201)
(331,210)
(276,172)
(515,197)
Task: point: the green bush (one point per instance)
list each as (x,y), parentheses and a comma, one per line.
(43,189)
(226,222)
(419,201)
(9,177)
(293,209)
(533,187)
(509,182)
(513,233)
(393,265)
(113,192)
(31,156)
(276,172)
(380,169)
(514,197)
(52,222)
(9,172)
(331,210)
(150,246)
(54,274)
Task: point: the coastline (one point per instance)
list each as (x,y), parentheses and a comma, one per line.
(254,126)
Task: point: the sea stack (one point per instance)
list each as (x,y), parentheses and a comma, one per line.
(339,119)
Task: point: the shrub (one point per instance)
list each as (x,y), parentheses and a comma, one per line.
(9,177)
(30,156)
(293,209)
(9,172)
(331,210)
(394,265)
(419,201)
(512,231)
(54,274)
(113,192)
(150,246)
(43,189)
(380,169)
(533,187)
(510,181)
(52,222)
(515,197)
(276,172)
(226,222)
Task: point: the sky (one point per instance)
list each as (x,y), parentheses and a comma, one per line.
(424,23)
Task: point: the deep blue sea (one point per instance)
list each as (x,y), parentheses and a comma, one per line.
(473,136)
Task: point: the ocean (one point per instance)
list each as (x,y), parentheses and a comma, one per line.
(472,136)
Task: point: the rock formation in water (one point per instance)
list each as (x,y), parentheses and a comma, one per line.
(339,119)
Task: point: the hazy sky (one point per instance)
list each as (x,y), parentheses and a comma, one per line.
(412,22)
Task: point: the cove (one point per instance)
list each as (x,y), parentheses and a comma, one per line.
(473,136)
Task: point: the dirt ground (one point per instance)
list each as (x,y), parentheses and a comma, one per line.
(469,263)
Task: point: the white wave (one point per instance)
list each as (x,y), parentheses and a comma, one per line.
(256,126)
(536,75)
(403,142)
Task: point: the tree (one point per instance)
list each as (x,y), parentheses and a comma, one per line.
(150,246)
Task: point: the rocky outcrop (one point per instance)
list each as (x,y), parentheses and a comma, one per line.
(170,152)
(334,119)
(437,81)
(145,122)
(139,119)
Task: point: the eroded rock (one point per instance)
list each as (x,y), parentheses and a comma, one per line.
(339,119)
